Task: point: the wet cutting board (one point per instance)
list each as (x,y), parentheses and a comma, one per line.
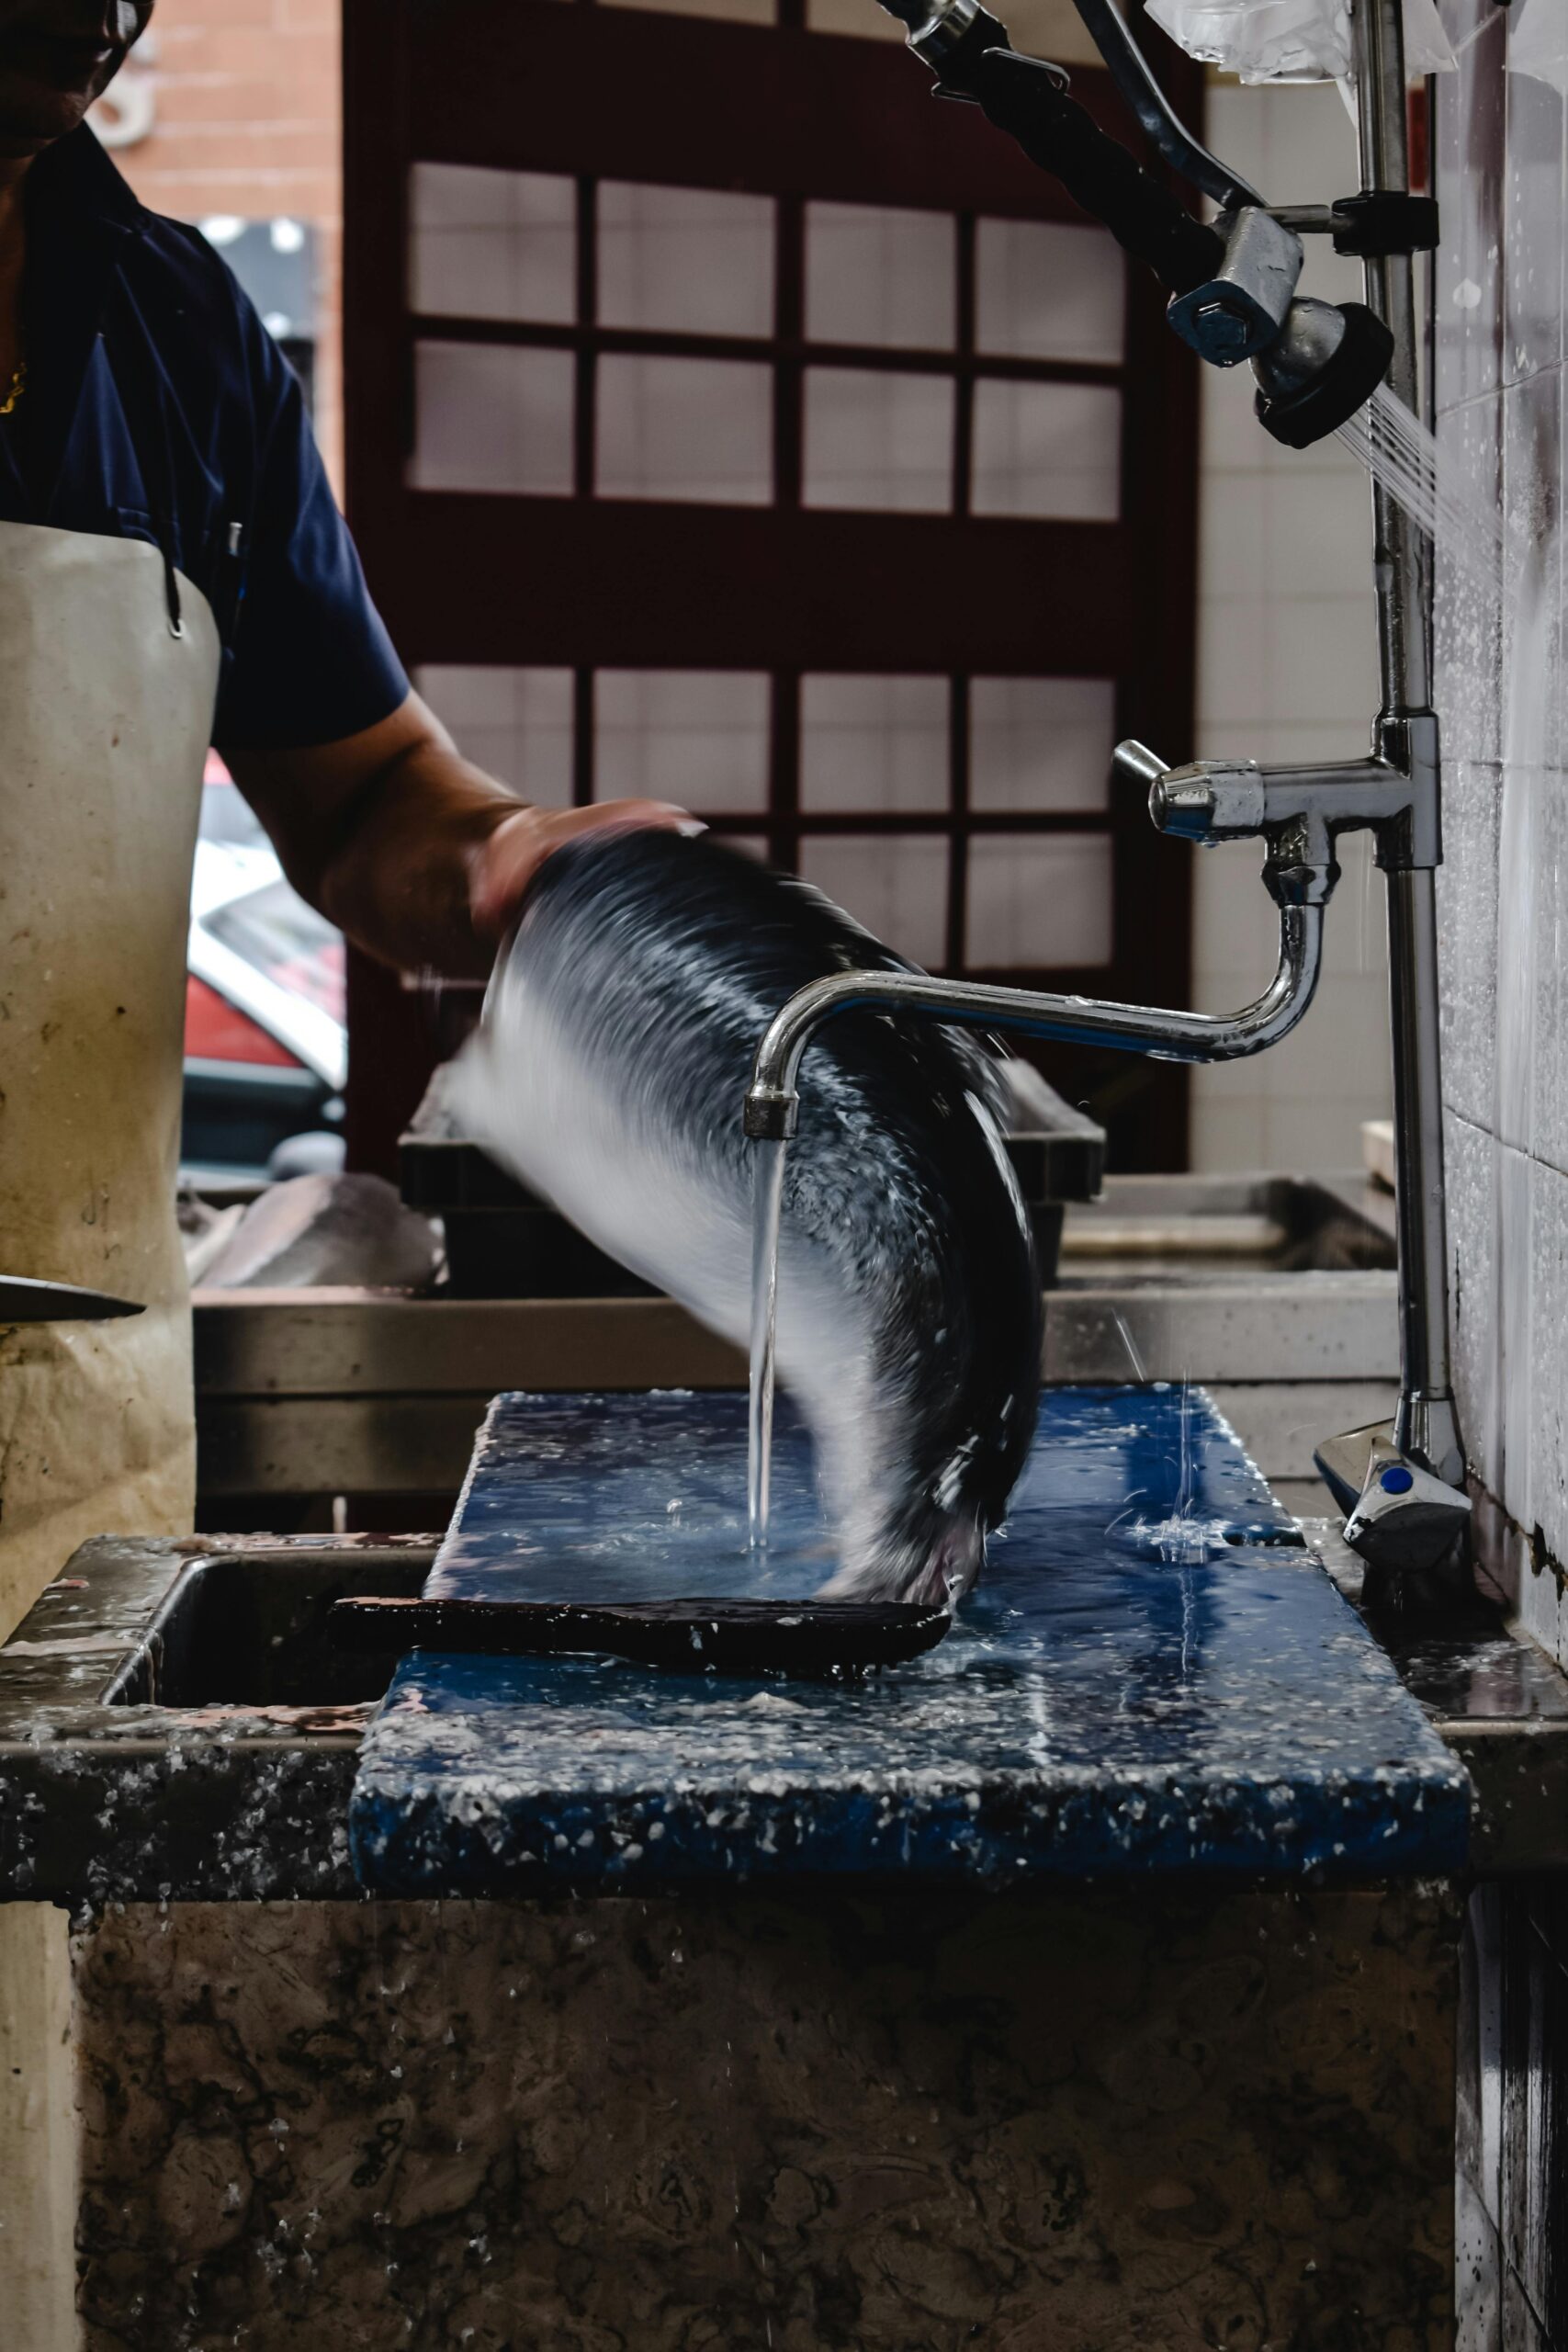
(1154,1675)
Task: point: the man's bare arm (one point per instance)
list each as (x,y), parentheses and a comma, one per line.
(418,856)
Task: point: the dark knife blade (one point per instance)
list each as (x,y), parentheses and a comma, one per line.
(23,1300)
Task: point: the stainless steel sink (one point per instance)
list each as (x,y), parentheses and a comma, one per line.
(1179,1229)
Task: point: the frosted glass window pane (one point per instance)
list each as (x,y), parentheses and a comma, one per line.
(1047,449)
(490,418)
(699,737)
(516,724)
(492,244)
(1044,290)
(1040,900)
(686,428)
(881,442)
(686,260)
(898,888)
(1040,743)
(880,274)
(870,743)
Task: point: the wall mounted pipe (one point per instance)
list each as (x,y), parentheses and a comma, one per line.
(1305,391)
(1426,1425)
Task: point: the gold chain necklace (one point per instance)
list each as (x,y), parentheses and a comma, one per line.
(17,387)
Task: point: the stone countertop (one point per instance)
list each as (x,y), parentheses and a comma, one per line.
(203,1795)
(1156,1676)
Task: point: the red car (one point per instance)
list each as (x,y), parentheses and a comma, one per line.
(266,1048)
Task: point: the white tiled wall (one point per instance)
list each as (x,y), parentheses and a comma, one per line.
(1502,345)
(1287,670)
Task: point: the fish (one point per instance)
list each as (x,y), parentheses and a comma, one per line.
(608,1073)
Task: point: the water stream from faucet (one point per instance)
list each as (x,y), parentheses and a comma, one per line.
(767,1207)
(1404,459)
(1185,1536)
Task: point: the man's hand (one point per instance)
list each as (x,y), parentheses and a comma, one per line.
(504,865)
(421,858)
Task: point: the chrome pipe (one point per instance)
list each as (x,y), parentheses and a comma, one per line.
(1426,1421)
(1426,1425)
(772,1098)
(1401,568)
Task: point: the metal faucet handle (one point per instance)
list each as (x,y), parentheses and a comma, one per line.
(1210,800)
(1206,801)
(1132,762)
(1301,811)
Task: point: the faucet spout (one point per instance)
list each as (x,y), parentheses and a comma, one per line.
(773,1100)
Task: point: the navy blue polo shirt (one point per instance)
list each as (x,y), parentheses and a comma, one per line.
(158,407)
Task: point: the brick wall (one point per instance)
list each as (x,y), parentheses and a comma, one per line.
(247,121)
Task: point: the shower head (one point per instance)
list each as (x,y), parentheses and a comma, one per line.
(1325,363)
(1233,283)
(1315,362)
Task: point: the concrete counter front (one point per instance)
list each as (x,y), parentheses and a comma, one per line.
(1090,1984)
(835,2122)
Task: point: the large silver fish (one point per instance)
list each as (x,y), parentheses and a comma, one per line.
(609,1072)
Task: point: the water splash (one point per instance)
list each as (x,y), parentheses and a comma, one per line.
(1186,1466)
(1404,459)
(767,1206)
(1182,1540)
(1134,1358)
(1187,1535)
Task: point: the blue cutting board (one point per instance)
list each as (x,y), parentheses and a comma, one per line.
(1153,1676)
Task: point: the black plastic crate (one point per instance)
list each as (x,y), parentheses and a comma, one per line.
(503,1241)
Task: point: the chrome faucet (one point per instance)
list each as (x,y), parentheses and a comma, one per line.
(1401,1483)
(1302,889)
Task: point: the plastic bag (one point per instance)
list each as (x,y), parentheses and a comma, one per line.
(1538,43)
(1296,40)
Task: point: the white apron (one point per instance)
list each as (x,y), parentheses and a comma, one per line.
(105,718)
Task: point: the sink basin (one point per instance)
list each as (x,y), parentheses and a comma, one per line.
(248,1629)
(1207,1228)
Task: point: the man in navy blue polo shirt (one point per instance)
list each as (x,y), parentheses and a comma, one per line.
(173,573)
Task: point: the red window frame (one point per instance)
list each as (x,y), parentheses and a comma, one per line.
(588,582)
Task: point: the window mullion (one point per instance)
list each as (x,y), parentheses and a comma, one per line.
(587,317)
